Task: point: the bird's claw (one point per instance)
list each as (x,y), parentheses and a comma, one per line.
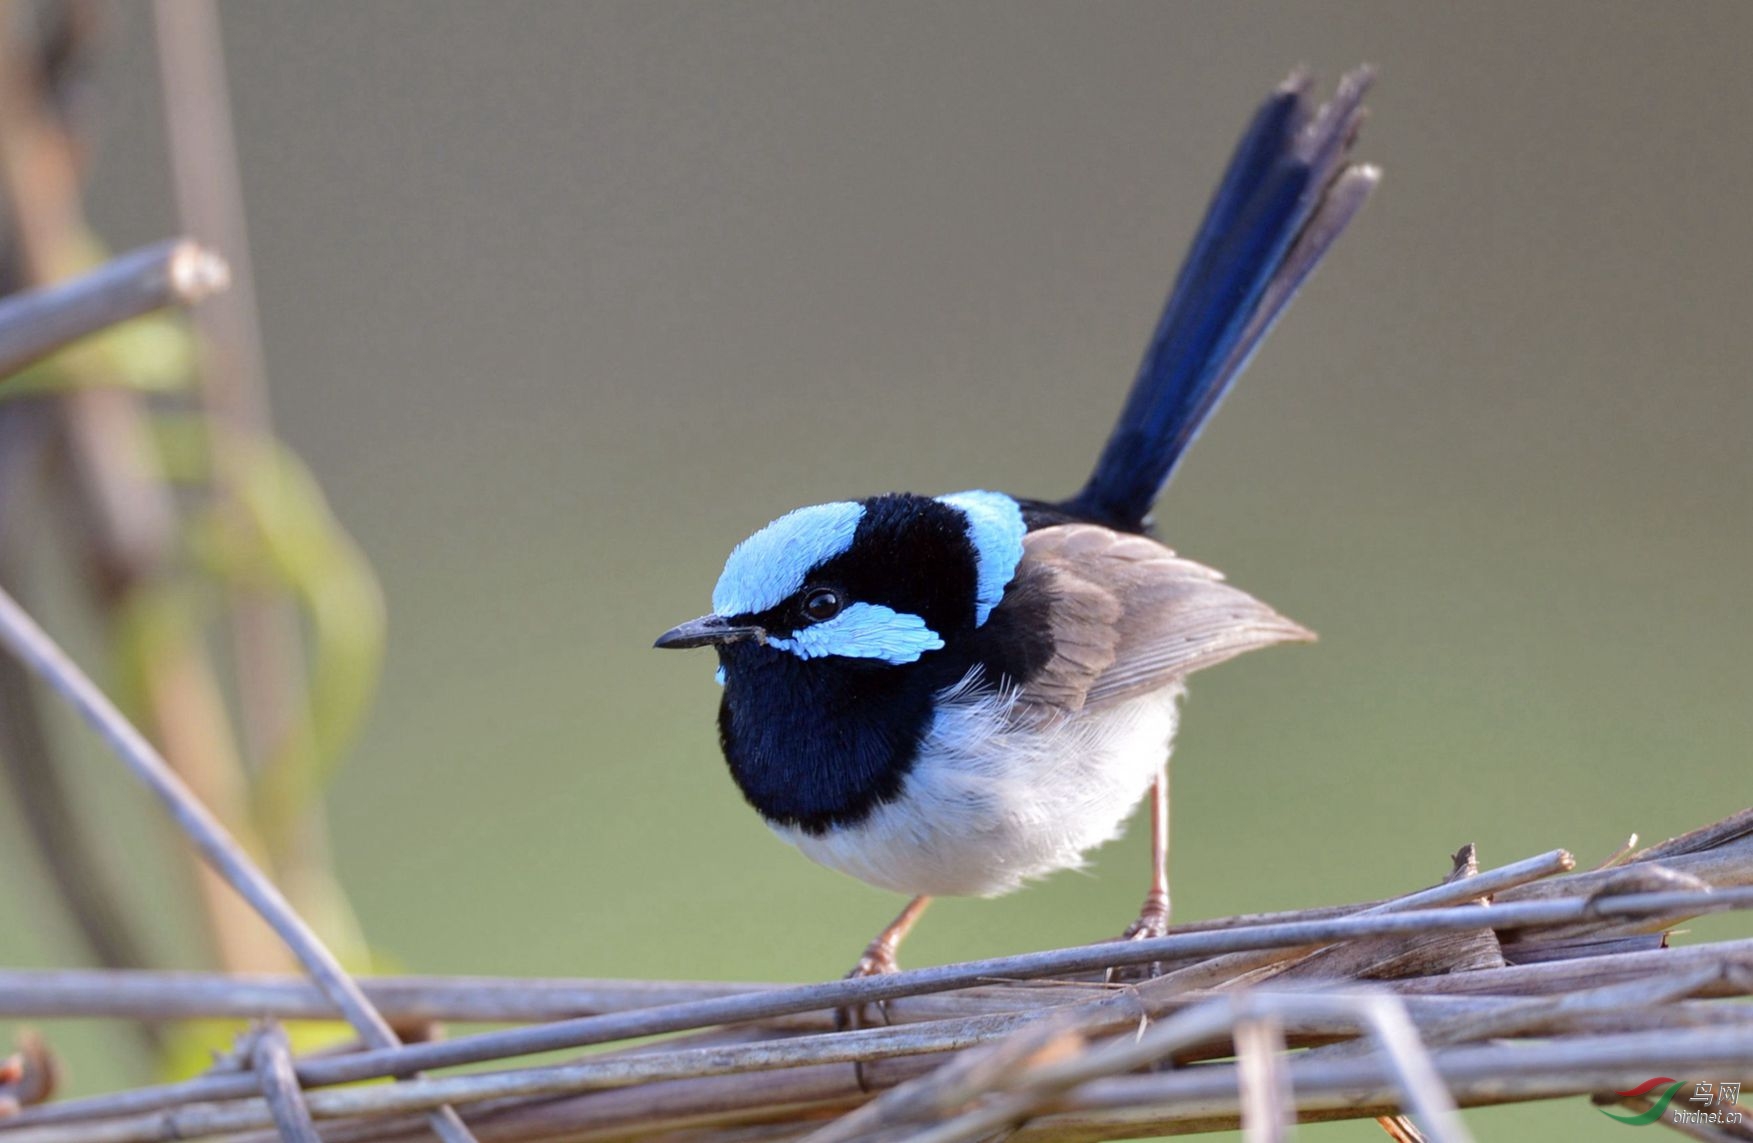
(1152,922)
(878,960)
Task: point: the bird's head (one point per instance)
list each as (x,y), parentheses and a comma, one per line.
(881,582)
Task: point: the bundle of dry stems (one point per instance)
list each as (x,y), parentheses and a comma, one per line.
(1529,981)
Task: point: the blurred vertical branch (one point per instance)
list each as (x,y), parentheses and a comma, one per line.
(229,362)
(180,509)
(292,737)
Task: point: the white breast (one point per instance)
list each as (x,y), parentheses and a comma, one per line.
(995,800)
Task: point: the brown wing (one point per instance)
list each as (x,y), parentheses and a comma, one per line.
(1129,616)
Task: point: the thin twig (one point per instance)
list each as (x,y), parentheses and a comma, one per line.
(1426,1097)
(144,994)
(271,1060)
(1563,975)
(30,643)
(1492,881)
(1268,1104)
(36,323)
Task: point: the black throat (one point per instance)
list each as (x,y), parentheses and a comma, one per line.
(823,743)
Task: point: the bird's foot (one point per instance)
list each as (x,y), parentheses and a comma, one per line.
(878,960)
(1152,922)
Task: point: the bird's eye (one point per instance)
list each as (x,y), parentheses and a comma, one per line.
(822,603)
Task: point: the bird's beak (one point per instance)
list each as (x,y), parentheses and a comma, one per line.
(706,631)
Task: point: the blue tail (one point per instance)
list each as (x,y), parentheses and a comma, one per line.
(1287,195)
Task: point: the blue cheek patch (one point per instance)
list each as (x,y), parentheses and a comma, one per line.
(769,567)
(864,631)
(996,528)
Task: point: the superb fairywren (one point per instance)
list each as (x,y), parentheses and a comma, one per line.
(956,694)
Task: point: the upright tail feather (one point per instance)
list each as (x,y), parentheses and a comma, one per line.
(1289,192)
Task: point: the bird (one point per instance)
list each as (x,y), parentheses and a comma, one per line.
(955,695)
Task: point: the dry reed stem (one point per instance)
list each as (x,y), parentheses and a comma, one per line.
(1268,1103)
(39,322)
(271,1060)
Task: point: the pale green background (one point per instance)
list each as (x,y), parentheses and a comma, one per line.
(563,300)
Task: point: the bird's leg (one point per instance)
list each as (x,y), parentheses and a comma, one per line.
(1153,915)
(879,955)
